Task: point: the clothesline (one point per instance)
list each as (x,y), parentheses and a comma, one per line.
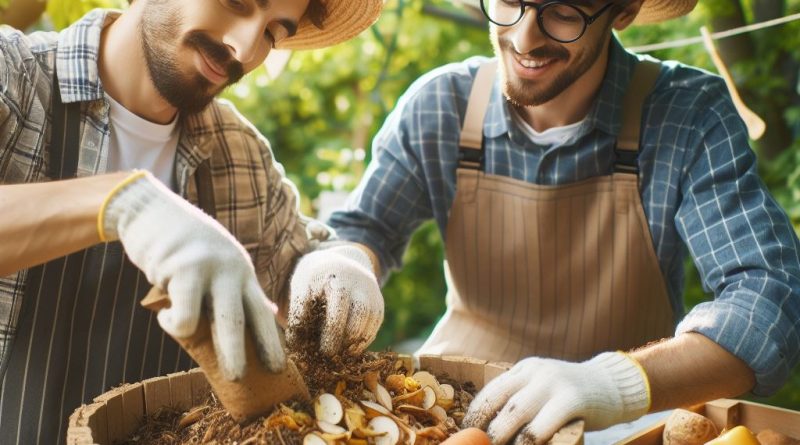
(717,35)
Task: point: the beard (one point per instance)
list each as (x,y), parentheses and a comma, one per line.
(525,93)
(188,93)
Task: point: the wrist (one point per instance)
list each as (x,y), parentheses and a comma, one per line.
(354,253)
(131,194)
(630,381)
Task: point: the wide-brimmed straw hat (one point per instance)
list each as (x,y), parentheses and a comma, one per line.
(345,20)
(654,11)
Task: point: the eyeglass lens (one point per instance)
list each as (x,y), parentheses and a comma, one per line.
(560,21)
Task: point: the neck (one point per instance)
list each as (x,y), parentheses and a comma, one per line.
(128,82)
(573,104)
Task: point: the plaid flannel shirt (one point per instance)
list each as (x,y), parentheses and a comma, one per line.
(699,187)
(254,200)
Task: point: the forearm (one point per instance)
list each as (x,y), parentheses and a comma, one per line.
(690,369)
(48,220)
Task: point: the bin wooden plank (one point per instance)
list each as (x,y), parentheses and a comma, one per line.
(727,413)
(464,369)
(114,413)
(132,407)
(180,388)
(156,394)
(492,370)
(200,386)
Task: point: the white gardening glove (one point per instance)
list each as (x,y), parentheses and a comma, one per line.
(538,396)
(190,255)
(343,276)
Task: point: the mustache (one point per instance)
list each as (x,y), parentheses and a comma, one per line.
(218,53)
(542,52)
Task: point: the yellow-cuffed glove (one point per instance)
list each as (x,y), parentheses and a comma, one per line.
(199,263)
(538,396)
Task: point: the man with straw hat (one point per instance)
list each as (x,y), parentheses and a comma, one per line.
(110,138)
(570,179)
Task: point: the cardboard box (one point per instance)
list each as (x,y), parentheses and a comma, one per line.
(728,413)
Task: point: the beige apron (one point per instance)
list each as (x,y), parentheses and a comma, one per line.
(562,271)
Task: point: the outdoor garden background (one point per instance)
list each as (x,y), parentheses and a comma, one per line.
(322,111)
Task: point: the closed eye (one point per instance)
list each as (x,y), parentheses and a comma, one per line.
(236,5)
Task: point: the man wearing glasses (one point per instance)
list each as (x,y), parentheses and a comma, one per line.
(570,179)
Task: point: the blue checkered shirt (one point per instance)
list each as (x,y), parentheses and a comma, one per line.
(699,186)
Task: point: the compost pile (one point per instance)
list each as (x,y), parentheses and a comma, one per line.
(369,399)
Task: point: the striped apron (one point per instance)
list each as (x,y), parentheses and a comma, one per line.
(563,271)
(80,330)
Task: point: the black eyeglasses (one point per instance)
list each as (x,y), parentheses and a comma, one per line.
(558,20)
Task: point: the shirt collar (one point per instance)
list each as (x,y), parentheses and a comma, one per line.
(77,57)
(606,112)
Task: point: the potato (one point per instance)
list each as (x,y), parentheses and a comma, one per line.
(772,437)
(687,428)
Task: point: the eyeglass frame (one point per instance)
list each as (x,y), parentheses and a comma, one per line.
(587,19)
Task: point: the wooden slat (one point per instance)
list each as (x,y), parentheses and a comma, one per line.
(570,434)
(724,413)
(97,420)
(180,389)
(200,386)
(156,394)
(114,413)
(132,407)
(464,369)
(493,369)
(758,417)
(79,435)
(727,413)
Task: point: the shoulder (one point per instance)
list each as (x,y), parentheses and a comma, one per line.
(688,93)
(23,52)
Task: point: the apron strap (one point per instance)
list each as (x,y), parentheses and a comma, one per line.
(470,153)
(641,84)
(64,135)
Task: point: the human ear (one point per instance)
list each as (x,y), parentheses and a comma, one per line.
(629,12)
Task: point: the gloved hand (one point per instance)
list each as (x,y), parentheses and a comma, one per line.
(343,277)
(538,396)
(192,256)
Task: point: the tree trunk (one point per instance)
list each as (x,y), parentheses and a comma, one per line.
(742,48)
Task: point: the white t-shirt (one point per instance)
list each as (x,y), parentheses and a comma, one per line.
(552,136)
(138,143)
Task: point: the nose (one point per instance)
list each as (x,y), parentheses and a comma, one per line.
(526,34)
(247,42)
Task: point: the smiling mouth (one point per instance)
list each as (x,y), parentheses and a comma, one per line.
(218,74)
(535,64)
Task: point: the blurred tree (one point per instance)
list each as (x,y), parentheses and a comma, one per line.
(21,14)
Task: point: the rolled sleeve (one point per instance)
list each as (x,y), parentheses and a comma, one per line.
(745,250)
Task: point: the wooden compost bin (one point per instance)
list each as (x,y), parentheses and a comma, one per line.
(728,413)
(117,414)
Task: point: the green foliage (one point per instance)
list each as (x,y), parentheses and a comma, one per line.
(64,12)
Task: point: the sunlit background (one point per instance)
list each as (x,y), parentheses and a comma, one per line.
(322,110)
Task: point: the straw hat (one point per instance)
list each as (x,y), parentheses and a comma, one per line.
(654,11)
(345,20)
